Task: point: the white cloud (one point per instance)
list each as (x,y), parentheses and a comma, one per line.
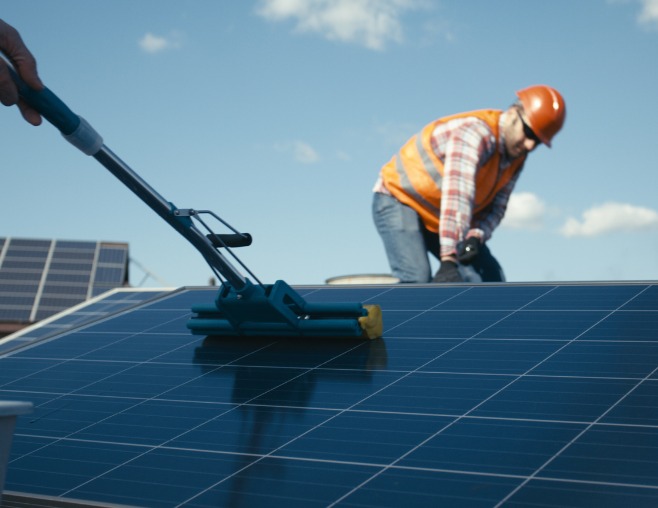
(611,218)
(371,23)
(302,152)
(524,211)
(151,43)
(649,13)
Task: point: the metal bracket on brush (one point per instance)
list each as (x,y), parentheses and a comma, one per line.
(225,240)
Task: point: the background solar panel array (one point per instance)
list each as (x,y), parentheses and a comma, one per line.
(39,278)
(487,395)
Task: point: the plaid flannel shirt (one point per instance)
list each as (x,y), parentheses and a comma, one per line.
(464,145)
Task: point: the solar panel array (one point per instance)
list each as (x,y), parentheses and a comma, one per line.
(39,278)
(477,395)
(109,302)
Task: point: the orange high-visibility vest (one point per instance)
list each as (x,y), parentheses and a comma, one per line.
(413,176)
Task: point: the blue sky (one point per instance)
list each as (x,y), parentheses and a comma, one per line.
(278,114)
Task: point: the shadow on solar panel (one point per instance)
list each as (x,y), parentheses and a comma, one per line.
(326,356)
(286,372)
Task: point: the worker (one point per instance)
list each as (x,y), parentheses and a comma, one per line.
(12,46)
(447,188)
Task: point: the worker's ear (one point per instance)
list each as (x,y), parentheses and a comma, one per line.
(509,119)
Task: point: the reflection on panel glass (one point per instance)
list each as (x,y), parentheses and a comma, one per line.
(483,395)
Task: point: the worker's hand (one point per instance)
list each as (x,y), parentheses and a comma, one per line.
(12,46)
(448,272)
(468,250)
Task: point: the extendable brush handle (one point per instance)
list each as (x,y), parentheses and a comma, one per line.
(77,131)
(254,310)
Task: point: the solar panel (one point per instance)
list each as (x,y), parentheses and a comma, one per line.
(39,278)
(477,395)
(91,310)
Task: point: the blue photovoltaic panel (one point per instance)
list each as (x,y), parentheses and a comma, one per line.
(485,395)
(39,278)
(93,310)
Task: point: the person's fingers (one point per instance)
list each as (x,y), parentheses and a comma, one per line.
(8,92)
(26,66)
(31,115)
(14,48)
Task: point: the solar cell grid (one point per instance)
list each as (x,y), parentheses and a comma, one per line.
(116,255)
(15,276)
(73,265)
(98,290)
(26,252)
(21,264)
(16,301)
(19,288)
(489,395)
(73,245)
(15,313)
(68,277)
(56,274)
(73,256)
(17,243)
(52,304)
(92,310)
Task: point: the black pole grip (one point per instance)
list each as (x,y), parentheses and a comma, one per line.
(47,104)
(230,239)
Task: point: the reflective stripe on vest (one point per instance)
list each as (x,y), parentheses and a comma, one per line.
(431,170)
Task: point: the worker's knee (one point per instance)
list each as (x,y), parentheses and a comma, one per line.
(399,229)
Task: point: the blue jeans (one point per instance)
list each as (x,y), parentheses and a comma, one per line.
(407,243)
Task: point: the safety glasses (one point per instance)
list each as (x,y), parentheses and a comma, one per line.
(527,131)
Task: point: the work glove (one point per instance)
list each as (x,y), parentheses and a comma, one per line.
(448,272)
(468,250)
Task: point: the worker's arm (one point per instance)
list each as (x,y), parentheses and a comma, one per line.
(12,46)
(468,148)
(483,227)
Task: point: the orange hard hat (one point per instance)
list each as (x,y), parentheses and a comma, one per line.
(544,109)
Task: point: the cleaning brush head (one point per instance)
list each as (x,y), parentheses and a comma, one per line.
(277,310)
